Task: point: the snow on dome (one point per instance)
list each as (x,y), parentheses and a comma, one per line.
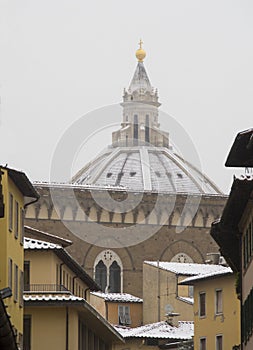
(144,168)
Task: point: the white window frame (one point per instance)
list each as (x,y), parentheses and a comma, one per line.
(16,284)
(200,345)
(218,302)
(10,212)
(16,228)
(124,314)
(10,273)
(216,342)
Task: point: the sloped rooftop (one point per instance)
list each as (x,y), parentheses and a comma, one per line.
(160,330)
(188,269)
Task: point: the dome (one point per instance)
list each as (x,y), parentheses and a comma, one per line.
(144,168)
(141,157)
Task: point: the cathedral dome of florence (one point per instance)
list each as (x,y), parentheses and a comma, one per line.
(141,157)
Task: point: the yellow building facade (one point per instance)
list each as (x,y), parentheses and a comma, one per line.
(18,193)
(118,308)
(216,310)
(57,310)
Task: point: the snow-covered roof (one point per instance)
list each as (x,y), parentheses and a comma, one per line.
(187,269)
(35,244)
(51,297)
(219,272)
(118,297)
(46,236)
(30,243)
(160,330)
(186,300)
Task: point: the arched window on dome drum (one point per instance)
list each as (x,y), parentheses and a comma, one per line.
(147,128)
(135,129)
(101,275)
(114,278)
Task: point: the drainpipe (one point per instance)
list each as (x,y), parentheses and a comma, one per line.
(67,328)
(158,292)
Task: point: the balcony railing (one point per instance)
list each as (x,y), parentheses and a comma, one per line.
(53,288)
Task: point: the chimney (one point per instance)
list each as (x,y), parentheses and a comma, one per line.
(213,258)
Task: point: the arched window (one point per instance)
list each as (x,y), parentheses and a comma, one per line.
(108,272)
(100,275)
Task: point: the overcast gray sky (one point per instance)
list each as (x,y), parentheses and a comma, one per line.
(62,59)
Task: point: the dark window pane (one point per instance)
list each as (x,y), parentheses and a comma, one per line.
(114,278)
(101,275)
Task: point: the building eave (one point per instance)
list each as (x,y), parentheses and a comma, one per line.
(22,182)
(226,231)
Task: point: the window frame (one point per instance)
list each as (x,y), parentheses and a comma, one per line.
(218,301)
(218,346)
(22,225)
(202,314)
(21,288)
(10,212)
(16,228)
(200,345)
(124,316)
(10,273)
(16,284)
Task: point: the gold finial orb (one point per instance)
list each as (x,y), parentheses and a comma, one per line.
(140,53)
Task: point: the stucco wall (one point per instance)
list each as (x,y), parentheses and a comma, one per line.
(160,289)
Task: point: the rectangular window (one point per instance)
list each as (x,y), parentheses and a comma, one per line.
(27,332)
(26,275)
(202,304)
(10,211)
(22,224)
(218,342)
(15,283)
(190,291)
(202,344)
(218,301)
(10,273)
(21,288)
(16,219)
(124,315)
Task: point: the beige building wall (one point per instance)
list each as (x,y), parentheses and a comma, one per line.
(48,328)
(227,323)
(109,310)
(160,289)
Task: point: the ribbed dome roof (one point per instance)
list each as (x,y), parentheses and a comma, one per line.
(141,158)
(144,168)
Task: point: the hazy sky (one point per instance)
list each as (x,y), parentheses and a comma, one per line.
(62,59)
